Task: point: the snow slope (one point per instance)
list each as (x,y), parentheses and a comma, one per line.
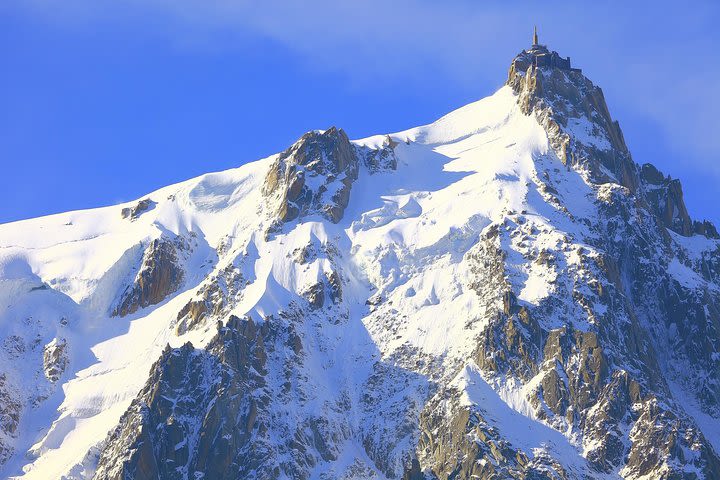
(454,178)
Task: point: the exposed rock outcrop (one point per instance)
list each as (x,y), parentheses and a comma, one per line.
(329,287)
(199,414)
(315,175)
(10,412)
(138,209)
(160,274)
(212,299)
(55,359)
(665,198)
(460,443)
(381,159)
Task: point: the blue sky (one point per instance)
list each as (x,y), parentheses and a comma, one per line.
(102,104)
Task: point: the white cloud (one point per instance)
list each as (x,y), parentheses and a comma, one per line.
(655,58)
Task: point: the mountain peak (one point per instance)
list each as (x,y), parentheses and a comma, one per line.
(583,134)
(573,112)
(539,56)
(503,293)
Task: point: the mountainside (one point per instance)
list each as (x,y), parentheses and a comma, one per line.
(503,293)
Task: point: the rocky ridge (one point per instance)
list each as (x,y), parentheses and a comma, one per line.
(316,174)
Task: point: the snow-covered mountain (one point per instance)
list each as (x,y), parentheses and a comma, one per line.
(502,293)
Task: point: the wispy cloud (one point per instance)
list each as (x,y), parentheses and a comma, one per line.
(655,59)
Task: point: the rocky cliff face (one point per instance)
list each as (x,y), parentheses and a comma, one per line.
(503,293)
(159,275)
(314,175)
(574,114)
(197,414)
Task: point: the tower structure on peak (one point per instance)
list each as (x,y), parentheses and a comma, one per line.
(536,46)
(540,56)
